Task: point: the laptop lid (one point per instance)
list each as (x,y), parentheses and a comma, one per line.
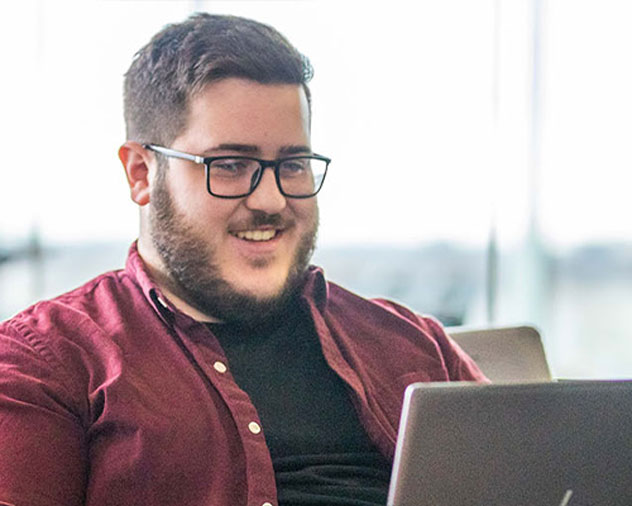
(536,444)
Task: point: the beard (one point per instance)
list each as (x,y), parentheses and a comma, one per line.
(192,269)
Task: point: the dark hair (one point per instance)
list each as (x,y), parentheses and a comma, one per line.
(183,57)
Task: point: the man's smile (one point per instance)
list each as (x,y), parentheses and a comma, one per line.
(257,235)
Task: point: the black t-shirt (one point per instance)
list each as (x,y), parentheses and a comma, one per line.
(320,451)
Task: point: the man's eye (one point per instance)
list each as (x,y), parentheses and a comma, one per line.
(294,166)
(230,167)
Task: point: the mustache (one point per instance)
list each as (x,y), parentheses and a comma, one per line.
(263,219)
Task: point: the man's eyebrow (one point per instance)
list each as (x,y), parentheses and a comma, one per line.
(251,149)
(248,149)
(295,150)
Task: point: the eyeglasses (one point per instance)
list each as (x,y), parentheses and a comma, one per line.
(232,177)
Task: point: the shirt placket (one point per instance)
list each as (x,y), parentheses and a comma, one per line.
(204,348)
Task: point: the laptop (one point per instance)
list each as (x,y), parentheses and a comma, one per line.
(532,444)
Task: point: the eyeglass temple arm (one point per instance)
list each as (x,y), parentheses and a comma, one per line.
(173,153)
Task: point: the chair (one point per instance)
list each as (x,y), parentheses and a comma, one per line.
(509,354)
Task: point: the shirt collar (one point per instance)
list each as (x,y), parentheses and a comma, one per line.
(316,288)
(136,268)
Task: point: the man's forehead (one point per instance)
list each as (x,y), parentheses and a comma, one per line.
(246,116)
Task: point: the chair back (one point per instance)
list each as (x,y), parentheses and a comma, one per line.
(507,354)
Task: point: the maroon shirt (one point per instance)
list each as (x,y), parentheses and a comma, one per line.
(111,396)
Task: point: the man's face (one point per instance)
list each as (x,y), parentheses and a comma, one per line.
(235,258)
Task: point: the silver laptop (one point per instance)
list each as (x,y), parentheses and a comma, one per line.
(536,444)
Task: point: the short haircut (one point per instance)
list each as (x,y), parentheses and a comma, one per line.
(183,57)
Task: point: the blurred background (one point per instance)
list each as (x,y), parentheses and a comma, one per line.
(481,155)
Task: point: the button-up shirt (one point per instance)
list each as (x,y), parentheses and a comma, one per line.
(111,396)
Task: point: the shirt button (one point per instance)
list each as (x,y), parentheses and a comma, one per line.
(267,504)
(220,367)
(254,427)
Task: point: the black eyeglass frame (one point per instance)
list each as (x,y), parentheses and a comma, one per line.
(264,164)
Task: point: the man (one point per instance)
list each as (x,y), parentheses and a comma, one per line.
(217,368)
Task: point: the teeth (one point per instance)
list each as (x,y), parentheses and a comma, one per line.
(256,235)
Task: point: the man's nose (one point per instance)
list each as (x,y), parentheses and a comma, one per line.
(267,197)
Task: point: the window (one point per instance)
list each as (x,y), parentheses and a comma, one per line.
(492,139)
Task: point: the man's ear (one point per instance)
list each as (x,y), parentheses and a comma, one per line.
(137,162)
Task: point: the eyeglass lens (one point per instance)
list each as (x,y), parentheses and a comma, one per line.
(298,177)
